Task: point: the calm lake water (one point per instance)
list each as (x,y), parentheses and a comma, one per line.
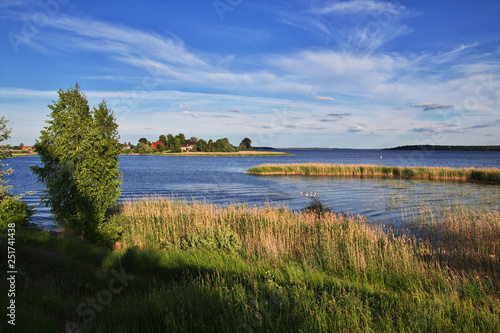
(221,180)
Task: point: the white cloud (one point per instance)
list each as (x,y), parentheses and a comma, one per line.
(325,98)
(191,114)
(361,7)
(356,128)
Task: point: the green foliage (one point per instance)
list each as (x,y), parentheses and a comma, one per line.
(144,140)
(222,145)
(222,238)
(142,148)
(170,142)
(246,144)
(202,145)
(182,138)
(163,139)
(13,210)
(4,135)
(177,145)
(109,232)
(79,153)
(159,148)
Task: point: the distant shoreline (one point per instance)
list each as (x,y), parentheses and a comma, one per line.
(227,154)
(446,148)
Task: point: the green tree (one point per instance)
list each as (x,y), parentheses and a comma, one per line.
(202,145)
(182,138)
(177,145)
(12,209)
(4,153)
(163,139)
(142,148)
(170,142)
(222,145)
(144,140)
(246,144)
(79,154)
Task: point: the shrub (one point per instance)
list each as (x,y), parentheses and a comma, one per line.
(13,210)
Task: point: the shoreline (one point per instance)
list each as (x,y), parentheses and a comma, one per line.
(239,153)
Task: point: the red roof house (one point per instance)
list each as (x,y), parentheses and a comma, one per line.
(154,144)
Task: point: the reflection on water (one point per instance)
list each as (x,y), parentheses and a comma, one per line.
(221,180)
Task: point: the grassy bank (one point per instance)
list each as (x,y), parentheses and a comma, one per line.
(486,175)
(199,267)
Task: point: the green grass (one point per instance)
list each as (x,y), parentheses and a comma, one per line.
(204,268)
(484,175)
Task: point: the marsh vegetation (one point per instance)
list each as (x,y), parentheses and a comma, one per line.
(483,175)
(202,267)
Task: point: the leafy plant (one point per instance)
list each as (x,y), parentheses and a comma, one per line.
(79,153)
(13,210)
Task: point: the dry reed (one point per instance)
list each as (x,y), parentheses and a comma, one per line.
(485,175)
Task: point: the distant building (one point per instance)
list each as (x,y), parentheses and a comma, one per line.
(189,145)
(155,144)
(126,147)
(28,149)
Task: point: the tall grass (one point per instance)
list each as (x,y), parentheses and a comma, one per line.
(205,268)
(345,246)
(485,175)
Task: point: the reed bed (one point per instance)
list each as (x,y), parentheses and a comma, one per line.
(483,175)
(464,239)
(346,246)
(204,268)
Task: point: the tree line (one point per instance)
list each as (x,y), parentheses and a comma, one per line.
(447,148)
(174,144)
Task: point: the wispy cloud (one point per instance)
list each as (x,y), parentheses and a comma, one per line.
(361,7)
(191,114)
(482,126)
(356,128)
(325,98)
(359,26)
(332,117)
(429,106)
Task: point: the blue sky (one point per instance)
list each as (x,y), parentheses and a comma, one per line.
(337,74)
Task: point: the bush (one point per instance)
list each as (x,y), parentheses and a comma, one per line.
(223,239)
(109,232)
(13,210)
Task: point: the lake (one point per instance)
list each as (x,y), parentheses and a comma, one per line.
(221,180)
